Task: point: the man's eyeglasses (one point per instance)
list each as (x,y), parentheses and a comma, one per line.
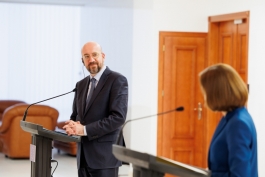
(94,55)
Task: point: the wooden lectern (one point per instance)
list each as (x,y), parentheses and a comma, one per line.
(41,147)
(146,165)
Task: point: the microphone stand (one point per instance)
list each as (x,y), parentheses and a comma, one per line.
(26,112)
(41,144)
(119,137)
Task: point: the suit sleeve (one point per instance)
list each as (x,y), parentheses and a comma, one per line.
(239,147)
(74,108)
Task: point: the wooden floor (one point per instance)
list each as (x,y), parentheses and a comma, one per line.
(66,166)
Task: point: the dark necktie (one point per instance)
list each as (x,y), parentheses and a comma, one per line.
(92,88)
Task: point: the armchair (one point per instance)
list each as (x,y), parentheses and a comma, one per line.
(5,104)
(16,142)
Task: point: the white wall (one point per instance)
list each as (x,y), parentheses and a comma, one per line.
(152,16)
(39,50)
(171,15)
(111,26)
(128,32)
(256,73)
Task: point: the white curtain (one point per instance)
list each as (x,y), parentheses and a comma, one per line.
(40,53)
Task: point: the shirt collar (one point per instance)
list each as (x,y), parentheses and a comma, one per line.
(98,75)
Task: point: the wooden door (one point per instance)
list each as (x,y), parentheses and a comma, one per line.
(181,134)
(228,43)
(233,37)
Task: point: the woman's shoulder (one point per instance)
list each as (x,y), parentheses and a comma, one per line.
(241,117)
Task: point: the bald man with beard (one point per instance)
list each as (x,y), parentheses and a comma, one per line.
(99,119)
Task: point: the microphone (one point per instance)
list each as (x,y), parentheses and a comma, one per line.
(26,112)
(181,108)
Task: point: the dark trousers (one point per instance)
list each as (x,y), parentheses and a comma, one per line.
(86,171)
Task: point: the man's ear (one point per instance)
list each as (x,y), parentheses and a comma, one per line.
(103,55)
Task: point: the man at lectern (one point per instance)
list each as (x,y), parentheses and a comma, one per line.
(233,150)
(99,111)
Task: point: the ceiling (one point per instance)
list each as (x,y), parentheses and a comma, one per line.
(59,2)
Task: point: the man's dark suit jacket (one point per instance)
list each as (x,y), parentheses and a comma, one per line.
(104,117)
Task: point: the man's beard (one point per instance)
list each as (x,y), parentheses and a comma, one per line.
(94,69)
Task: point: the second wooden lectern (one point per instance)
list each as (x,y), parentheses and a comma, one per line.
(146,165)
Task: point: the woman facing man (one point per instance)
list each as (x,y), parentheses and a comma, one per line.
(233,150)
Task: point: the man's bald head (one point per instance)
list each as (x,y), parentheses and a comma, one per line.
(90,45)
(93,58)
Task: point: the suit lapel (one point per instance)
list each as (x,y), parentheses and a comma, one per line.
(99,86)
(84,93)
(223,122)
(219,128)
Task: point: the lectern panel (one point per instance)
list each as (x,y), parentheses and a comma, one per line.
(157,164)
(54,135)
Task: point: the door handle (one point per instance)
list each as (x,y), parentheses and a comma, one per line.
(199,109)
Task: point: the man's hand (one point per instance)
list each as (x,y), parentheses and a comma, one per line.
(73,128)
